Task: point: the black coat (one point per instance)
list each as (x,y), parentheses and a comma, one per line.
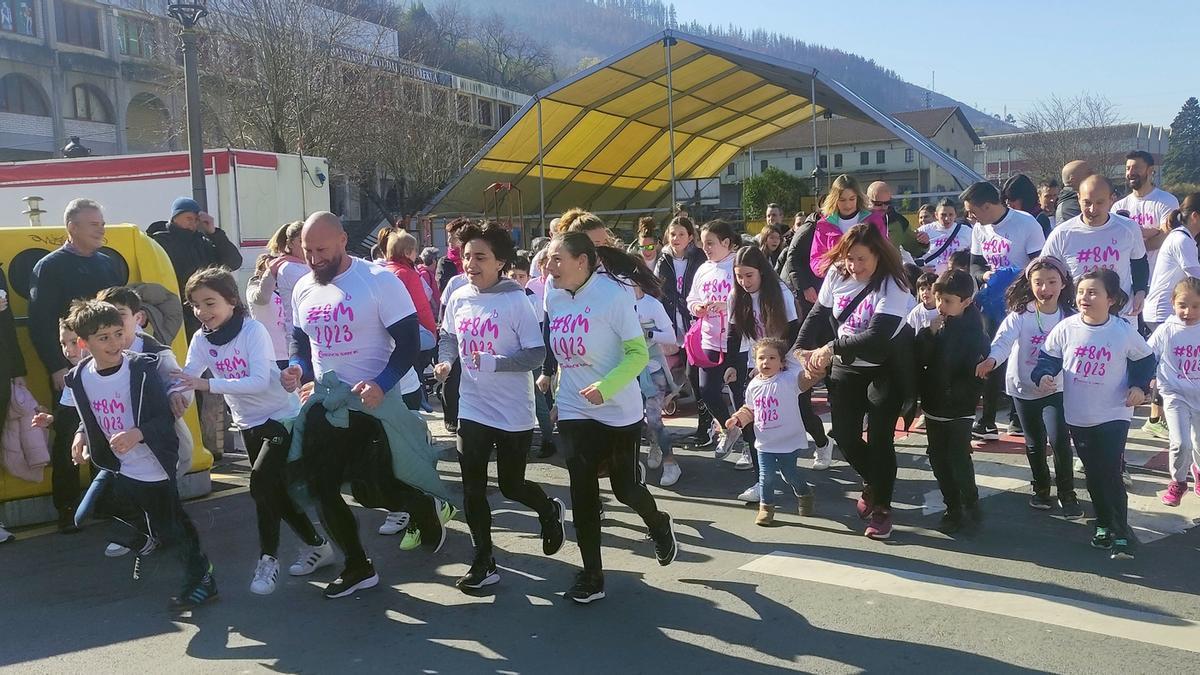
(673,299)
(12,364)
(190,251)
(1068,206)
(946,363)
(795,270)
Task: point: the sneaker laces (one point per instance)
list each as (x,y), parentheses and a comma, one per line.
(266,568)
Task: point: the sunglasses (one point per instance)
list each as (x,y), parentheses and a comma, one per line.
(648,247)
(875,202)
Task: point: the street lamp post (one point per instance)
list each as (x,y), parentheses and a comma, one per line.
(188,14)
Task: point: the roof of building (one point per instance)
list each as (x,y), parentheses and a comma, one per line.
(845,131)
(610,138)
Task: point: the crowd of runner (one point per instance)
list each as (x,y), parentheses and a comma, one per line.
(1063,304)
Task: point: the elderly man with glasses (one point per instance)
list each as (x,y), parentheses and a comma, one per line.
(879,198)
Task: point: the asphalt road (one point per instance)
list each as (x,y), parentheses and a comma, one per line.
(1026,592)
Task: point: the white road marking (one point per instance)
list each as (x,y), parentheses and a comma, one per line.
(1155,629)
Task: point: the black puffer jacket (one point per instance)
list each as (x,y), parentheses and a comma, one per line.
(946,362)
(674,295)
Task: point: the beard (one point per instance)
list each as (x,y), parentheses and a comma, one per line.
(1135,182)
(325,273)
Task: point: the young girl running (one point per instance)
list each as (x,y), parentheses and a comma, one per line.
(1106,368)
(592,330)
(771,407)
(238,352)
(1037,301)
(1176,343)
(490,327)
(655,380)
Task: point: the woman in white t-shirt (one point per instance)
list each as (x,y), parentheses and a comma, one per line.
(490,328)
(865,295)
(593,335)
(1177,260)
(708,301)
(1106,370)
(1176,343)
(237,351)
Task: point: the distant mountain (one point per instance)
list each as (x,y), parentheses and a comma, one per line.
(579,32)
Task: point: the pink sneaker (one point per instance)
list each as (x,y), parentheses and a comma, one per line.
(1174,493)
(881,524)
(864,506)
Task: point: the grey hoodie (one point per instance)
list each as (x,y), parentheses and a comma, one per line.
(523,360)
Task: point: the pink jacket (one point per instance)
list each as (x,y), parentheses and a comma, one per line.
(26,449)
(826,235)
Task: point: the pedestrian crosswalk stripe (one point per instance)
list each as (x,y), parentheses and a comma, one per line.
(1156,629)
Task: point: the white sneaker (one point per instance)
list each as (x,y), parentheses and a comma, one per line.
(395,523)
(5,535)
(746,460)
(670,475)
(1078,465)
(919,423)
(752,495)
(823,456)
(312,558)
(654,458)
(114,550)
(727,442)
(264,576)
(1127,479)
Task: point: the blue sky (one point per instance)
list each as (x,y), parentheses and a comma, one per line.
(1142,55)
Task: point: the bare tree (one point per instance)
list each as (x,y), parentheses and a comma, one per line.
(510,58)
(1062,130)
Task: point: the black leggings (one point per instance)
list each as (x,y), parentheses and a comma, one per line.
(812,421)
(1043,422)
(712,391)
(64,475)
(450,393)
(475,444)
(949,451)
(358,454)
(853,393)
(589,443)
(1101,448)
(267,445)
(154,509)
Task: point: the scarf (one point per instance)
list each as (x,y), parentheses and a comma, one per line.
(455,256)
(225,333)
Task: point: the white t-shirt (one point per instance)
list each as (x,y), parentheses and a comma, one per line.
(1018,340)
(1095,367)
(273,316)
(456,282)
(1177,347)
(920,317)
(244,371)
(654,320)
(838,291)
(1084,248)
(1147,212)
(713,283)
(289,274)
(789,313)
(499,324)
(347,319)
(938,236)
(1177,260)
(775,402)
(112,405)
(536,292)
(1009,242)
(587,332)
(844,224)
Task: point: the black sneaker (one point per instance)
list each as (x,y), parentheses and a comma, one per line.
(985,432)
(1103,539)
(196,593)
(553,532)
(482,573)
(665,546)
(703,438)
(588,586)
(351,580)
(66,522)
(451,427)
(1121,550)
(1014,427)
(1071,508)
(1041,501)
(950,522)
(548,449)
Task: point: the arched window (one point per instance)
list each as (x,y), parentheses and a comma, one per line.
(147,124)
(21,95)
(91,104)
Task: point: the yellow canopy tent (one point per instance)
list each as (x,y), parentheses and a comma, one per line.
(615,136)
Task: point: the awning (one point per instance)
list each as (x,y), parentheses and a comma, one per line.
(613,137)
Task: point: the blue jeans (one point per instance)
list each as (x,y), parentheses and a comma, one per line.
(1101,448)
(655,388)
(772,465)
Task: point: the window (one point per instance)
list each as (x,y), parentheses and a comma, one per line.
(908,155)
(16,16)
(799,163)
(464,109)
(731,170)
(504,114)
(485,112)
(90,104)
(864,158)
(824,161)
(78,25)
(880,156)
(762,166)
(19,94)
(837,160)
(134,37)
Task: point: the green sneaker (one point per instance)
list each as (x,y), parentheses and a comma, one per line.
(411,539)
(1103,539)
(1156,429)
(446,511)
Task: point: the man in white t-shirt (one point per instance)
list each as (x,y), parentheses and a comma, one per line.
(356,320)
(1145,204)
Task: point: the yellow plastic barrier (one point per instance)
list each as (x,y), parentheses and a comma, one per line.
(135,254)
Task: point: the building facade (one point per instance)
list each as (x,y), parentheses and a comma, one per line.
(1000,156)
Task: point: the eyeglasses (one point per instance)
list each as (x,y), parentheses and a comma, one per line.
(876,202)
